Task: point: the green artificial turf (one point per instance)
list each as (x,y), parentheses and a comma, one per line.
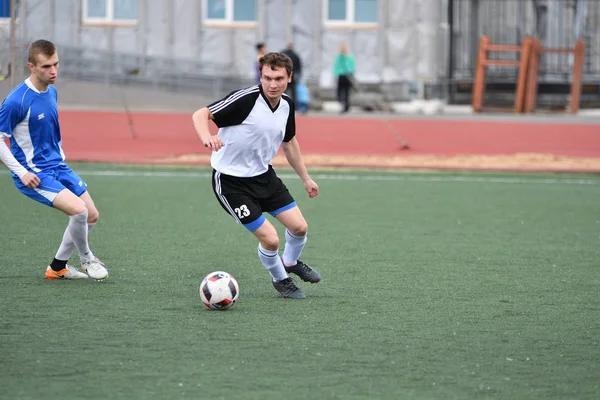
(435,286)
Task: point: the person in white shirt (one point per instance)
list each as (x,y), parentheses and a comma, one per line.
(253,124)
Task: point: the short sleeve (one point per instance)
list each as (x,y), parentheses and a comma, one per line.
(290,126)
(10,116)
(234,108)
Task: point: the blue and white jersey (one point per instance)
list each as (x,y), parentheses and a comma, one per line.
(30,119)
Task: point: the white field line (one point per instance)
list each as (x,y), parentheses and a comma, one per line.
(354,177)
(351,177)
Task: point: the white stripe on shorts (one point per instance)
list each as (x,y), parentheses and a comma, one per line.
(48,195)
(222,198)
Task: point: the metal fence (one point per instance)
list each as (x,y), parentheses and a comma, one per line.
(557,23)
(114,68)
(164,72)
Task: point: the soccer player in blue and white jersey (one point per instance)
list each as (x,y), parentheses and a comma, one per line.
(253,123)
(29,117)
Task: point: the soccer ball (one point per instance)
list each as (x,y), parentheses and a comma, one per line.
(219,290)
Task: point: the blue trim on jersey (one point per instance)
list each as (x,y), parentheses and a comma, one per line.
(254,225)
(282,209)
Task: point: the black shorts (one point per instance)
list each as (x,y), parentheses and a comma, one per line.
(245,199)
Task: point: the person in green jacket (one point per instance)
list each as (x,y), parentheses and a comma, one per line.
(344,68)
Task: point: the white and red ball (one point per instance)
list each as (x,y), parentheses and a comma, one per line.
(219,290)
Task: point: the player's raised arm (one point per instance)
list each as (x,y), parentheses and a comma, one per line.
(200,119)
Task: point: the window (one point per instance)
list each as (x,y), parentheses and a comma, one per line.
(5,12)
(4,8)
(229,11)
(109,11)
(344,12)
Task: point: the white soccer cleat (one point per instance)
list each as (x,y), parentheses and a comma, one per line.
(95,269)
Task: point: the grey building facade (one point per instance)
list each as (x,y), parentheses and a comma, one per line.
(210,44)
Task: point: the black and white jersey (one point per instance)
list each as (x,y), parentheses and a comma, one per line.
(251,130)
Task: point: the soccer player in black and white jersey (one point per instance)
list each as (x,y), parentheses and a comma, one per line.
(253,123)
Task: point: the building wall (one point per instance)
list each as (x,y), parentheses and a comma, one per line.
(174,29)
(410,42)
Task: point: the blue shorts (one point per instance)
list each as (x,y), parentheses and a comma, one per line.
(52,182)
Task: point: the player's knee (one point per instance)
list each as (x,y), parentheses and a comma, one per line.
(299,230)
(270,242)
(93,216)
(77,208)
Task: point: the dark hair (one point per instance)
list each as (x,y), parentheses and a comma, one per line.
(40,47)
(259,46)
(276,60)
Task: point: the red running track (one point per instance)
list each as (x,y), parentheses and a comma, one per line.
(108,137)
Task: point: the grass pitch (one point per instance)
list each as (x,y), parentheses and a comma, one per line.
(435,286)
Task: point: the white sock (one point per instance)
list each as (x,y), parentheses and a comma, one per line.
(293,248)
(65,250)
(270,259)
(78,230)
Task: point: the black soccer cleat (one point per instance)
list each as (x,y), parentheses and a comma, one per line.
(306,273)
(288,289)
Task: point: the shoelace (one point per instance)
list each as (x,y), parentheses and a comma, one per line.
(96,260)
(289,285)
(93,265)
(303,267)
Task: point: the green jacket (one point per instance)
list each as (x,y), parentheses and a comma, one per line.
(344,65)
